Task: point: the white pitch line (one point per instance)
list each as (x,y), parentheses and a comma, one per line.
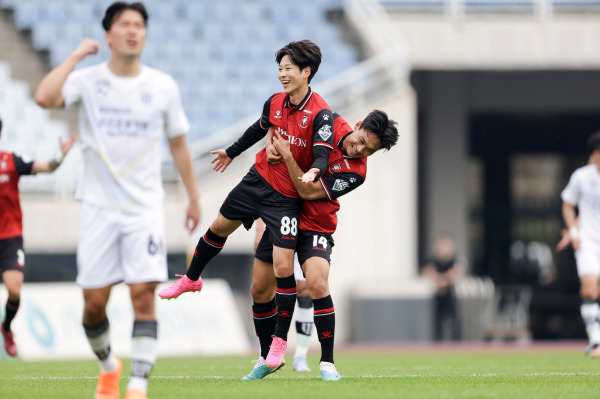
(217,377)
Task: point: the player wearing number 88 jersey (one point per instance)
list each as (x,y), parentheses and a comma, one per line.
(318,220)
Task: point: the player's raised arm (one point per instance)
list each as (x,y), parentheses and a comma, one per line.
(48,94)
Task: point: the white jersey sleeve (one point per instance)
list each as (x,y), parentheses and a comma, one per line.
(71,90)
(572,191)
(176,122)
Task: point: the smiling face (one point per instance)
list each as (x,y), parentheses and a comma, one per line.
(360,143)
(127,34)
(293,80)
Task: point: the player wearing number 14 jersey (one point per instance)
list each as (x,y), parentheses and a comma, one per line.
(346,170)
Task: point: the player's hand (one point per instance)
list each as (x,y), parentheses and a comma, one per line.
(221,161)
(282,145)
(85,48)
(192,216)
(565,240)
(309,176)
(65,146)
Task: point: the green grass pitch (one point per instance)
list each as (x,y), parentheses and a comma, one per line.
(485,374)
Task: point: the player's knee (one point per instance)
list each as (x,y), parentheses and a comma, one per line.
(319,288)
(93,312)
(14,293)
(261,293)
(588,292)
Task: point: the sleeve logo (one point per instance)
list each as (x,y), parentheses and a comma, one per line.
(340,185)
(325,132)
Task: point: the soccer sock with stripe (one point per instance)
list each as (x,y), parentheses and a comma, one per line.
(10,312)
(99,338)
(325,325)
(265,320)
(285,295)
(590,313)
(208,247)
(143,353)
(304,325)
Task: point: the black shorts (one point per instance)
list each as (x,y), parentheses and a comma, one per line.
(253,198)
(12,256)
(310,244)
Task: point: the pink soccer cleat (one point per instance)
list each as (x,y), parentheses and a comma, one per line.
(9,341)
(276,353)
(184,284)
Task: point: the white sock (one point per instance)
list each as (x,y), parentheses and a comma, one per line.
(143,357)
(304,316)
(590,313)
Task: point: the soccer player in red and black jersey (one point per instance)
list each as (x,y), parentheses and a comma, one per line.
(346,171)
(305,120)
(12,257)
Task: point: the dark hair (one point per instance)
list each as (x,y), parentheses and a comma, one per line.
(593,142)
(303,53)
(116,8)
(378,123)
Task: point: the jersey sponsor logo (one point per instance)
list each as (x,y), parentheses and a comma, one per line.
(335,168)
(340,185)
(297,141)
(325,132)
(4,178)
(277,114)
(304,120)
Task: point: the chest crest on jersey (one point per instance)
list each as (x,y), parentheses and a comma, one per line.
(304,120)
(146,97)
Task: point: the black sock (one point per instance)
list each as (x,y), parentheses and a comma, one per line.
(10,312)
(208,247)
(265,320)
(325,325)
(285,296)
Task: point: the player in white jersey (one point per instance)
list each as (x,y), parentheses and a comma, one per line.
(125,110)
(583,192)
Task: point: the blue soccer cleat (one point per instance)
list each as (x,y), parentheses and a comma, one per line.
(329,372)
(261,369)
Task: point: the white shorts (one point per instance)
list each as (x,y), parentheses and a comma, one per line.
(115,246)
(588,261)
(298,269)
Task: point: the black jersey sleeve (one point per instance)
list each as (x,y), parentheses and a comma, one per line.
(322,139)
(338,184)
(23,166)
(250,137)
(253,134)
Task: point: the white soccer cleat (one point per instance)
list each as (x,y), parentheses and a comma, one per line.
(300,364)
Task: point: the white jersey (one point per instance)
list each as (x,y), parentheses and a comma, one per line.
(583,191)
(122,123)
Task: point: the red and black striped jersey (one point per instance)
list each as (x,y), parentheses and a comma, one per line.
(12,167)
(308,126)
(343,174)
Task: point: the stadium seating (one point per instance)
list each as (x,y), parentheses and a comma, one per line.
(213,49)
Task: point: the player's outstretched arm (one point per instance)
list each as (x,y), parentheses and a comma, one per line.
(52,165)
(48,94)
(221,160)
(183,162)
(307,191)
